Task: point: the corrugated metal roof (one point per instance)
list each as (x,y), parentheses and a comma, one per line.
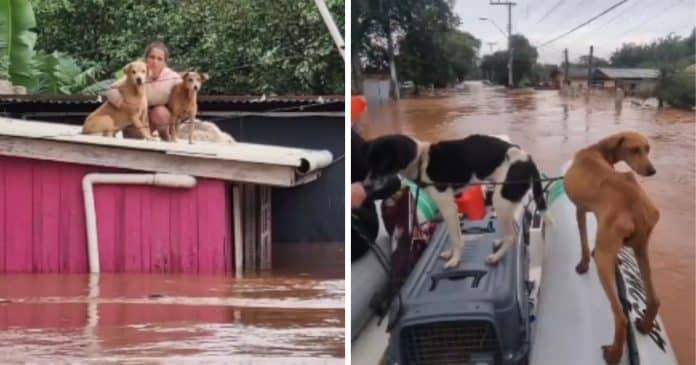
(577,72)
(629,73)
(50,99)
(232,99)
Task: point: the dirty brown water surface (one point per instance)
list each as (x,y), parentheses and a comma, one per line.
(281,317)
(552,128)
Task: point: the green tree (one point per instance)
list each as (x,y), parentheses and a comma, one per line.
(543,72)
(460,51)
(247,46)
(524,59)
(38,72)
(676,87)
(423,33)
(672,49)
(671,55)
(583,61)
(494,67)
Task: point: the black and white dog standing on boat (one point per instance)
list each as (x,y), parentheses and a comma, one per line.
(444,169)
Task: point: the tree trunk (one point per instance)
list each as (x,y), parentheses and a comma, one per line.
(357,73)
(394,84)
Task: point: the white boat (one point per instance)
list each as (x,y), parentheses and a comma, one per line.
(565,317)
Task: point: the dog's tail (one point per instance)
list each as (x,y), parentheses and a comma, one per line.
(537,190)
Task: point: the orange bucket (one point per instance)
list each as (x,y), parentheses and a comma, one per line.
(471,203)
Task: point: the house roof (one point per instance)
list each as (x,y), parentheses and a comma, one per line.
(243,162)
(232,99)
(577,72)
(629,73)
(240,103)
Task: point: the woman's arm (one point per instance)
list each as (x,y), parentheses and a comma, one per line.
(114,97)
(158,91)
(112,94)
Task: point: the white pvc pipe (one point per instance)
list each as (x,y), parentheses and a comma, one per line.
(237,221)
(168,180)
(333,29)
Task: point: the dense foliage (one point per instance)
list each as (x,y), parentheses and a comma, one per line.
(524,59)
(247,46)
(427,47)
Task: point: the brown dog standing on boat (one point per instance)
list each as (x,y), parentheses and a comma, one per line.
(107,120)
(625,217)
(183,104)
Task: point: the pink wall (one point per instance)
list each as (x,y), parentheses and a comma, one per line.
(140,228)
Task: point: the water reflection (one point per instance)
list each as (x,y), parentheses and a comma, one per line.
(134,318)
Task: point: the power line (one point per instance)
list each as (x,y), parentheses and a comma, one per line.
(650,18)
(585,23)
(610,21)
(553,8)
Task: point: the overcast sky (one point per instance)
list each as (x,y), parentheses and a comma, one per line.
(634,21)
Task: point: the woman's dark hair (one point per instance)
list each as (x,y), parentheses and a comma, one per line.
(158,45)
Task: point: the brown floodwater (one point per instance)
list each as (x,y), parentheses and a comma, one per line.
(288,318)
(552,128)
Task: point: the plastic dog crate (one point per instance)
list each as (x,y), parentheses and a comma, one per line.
(476,314)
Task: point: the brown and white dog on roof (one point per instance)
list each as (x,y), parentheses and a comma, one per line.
(183,104)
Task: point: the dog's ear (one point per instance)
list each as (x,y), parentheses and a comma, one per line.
(389,154)
(127,68)
(620,142)
(204,76)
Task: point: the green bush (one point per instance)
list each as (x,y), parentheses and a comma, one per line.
(247,46)
(678,90)
(39,72)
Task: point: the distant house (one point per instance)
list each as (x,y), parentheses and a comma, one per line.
(376,88)
(634,81)
(577,77)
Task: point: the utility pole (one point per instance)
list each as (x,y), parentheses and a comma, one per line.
(331,26)
(589,69)
(565,52)
(509,4)
(490,45)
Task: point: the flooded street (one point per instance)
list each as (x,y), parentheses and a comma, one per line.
(289,318)
(552,129)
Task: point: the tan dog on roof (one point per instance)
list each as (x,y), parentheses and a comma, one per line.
(107,120)
(625,217)
(183,102)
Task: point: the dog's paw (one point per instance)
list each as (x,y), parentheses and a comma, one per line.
(446,254)
(452,263)
(497,244)
(612,354)
(492,260)
(582,267)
